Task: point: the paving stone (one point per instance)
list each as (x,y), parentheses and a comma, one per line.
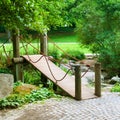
(106,107)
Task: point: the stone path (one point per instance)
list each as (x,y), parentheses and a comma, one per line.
(106,107)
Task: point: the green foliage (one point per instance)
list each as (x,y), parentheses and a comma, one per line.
(54,53)
(110,59)
(5,70)
(74,54)
(13,101)
(32,14)
(99,28)
(2,29)
(39,94)
(17,100)
(18,83)
(116,88)
(32,76)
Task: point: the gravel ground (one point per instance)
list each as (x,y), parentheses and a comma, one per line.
(106,107)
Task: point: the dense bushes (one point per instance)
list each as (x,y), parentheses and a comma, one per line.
(110,58)
(74,54)
(68,54)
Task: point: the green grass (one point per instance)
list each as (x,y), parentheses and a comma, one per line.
(66,42)
(64,46)
(69,46)
(63,38)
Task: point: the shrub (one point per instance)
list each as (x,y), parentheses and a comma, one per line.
(71,54)
(32,76)
(116,88)
(54,53)
(110,58)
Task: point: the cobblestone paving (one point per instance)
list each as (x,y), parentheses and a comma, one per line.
(106,107)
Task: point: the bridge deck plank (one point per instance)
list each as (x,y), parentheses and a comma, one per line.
(67,84)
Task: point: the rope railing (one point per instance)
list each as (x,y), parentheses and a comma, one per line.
(70,57)
(5,51)
(29,56)
(46,58)
(53,59)
(63,50)
(52,72)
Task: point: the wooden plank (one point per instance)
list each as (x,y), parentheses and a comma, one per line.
(67,84)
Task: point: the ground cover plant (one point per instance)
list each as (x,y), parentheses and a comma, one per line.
(19,98)
(116,88)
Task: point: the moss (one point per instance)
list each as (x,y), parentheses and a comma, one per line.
(25,89)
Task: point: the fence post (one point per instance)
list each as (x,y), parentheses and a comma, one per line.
(43,49)
(78,95)
(98,79)
(18,74)
(43,43)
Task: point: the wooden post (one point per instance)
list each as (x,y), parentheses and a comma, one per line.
(78,95)
(18,75)
(43,43)
(43,49)
(98,79)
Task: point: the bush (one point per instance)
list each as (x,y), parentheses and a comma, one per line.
(5,70)
(116,88)
(72,55)
(54,53)
(110,58)
(32,76)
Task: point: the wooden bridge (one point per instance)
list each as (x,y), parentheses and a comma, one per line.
(56,73)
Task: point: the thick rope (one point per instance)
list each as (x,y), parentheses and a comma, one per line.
(69,56)
(46,58)
(54,60)
(5,51)
(85,72)
(29,56)
(63,50)
(52,72)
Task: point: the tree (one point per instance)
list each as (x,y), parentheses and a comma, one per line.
(33,14)
(99,28)
(38,15)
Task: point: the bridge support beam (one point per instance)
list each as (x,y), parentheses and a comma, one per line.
(18,74)
(43,50)
(78,90)
(98,79)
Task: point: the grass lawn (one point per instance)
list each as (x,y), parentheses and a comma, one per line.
(58,38)
(58,46)
(69,46)
(66,42)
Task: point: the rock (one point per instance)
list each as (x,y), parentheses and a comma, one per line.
(114,80)
(6,84)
